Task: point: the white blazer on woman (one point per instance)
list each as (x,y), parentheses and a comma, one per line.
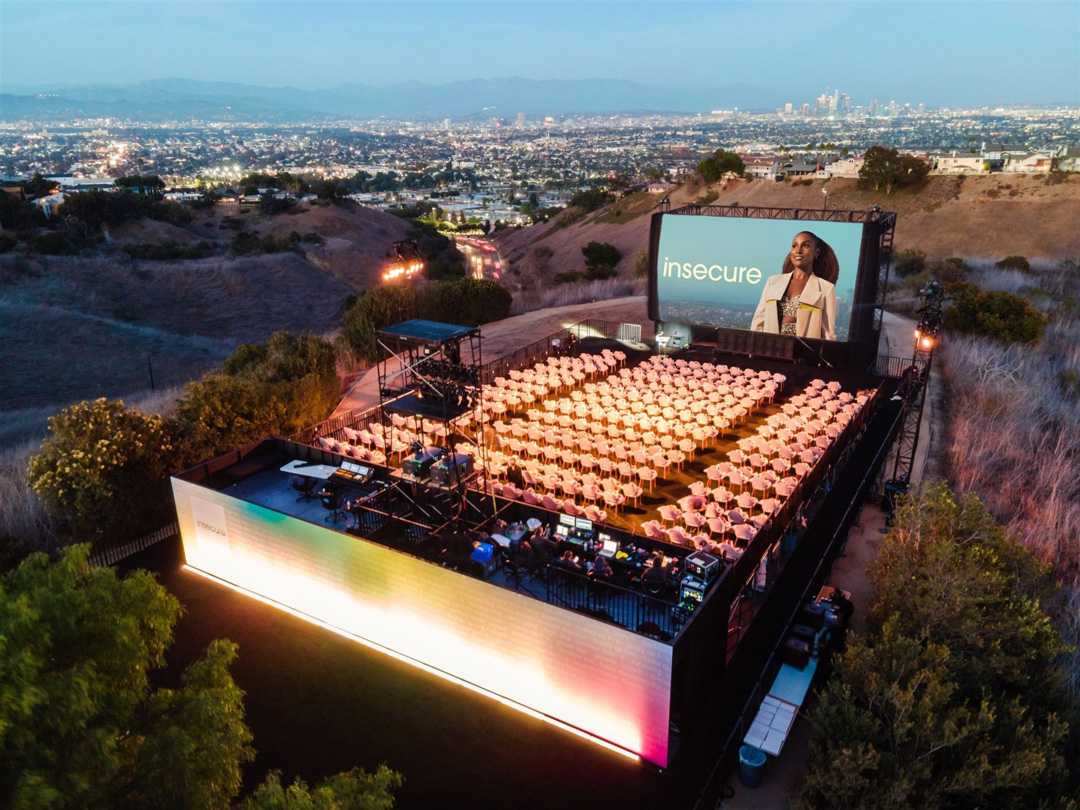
(817,308)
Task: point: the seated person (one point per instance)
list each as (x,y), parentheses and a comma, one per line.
(568,562)
(654,579)
(543,545)
(601,569)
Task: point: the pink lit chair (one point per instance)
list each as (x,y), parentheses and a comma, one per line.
(613,500)
(692,503)
(595,514)
(530,497)
(744,532)
(718,526)
(632,492)
(669,513)
(679,537)
(694,520)
(647,476)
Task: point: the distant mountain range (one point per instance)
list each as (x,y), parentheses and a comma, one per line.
(178,99)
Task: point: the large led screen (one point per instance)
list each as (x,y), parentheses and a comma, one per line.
(735,273)
(598,678)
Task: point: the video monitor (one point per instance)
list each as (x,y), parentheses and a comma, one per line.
(733,272)
(562,530)
(566,520)
(582,523)
(608,546)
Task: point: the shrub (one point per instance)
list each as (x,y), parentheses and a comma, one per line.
(1014,263)
(569,277)
(467,301)
(101,469)
(97,208)
(277,387)
(600,260)
(247,243)
(1002,316)
(271,204)
(590,200)
(908,263)
(440,254)
(219,412)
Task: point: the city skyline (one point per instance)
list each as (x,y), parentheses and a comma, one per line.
(1015,53)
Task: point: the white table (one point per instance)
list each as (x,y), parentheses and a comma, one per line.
(308,470)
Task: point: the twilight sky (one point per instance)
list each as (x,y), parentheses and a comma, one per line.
(947,52)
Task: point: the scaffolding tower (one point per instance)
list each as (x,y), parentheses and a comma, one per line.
(430,382)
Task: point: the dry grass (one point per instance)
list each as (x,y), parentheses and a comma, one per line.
(582,293)
(21,514)
(1014,441)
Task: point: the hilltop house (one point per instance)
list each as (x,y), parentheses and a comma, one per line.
(959,163)
(73,184)
(764,166)
(844,167)
(1030,163)
(1067,159)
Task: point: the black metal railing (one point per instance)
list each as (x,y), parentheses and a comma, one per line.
(639,612)
(888,365)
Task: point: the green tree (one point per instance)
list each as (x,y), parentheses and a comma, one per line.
(885,169)
(954,698)
(38,186)
(80,726)
(100,468)
(994,314)
(219,412)
(352,790)
(590,200)
(713,168)
(601,259)
(82,729)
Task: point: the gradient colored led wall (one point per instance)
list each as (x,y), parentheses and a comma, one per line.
(595,677)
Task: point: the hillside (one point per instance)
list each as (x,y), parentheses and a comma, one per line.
(991,216)
(74,327)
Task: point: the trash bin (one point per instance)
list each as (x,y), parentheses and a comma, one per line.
(751,765)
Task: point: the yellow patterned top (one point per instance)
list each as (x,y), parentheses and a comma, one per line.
(787,308)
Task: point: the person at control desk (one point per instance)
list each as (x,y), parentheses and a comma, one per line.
(568,562)
(601,569)
(801,299)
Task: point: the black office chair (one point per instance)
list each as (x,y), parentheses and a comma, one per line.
(331,500)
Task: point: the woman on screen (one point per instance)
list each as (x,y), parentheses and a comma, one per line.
(801,299)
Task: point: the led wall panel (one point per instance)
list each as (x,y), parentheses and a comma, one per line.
(598,678)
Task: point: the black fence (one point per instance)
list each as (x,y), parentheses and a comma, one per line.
(891,366)
(644,614)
